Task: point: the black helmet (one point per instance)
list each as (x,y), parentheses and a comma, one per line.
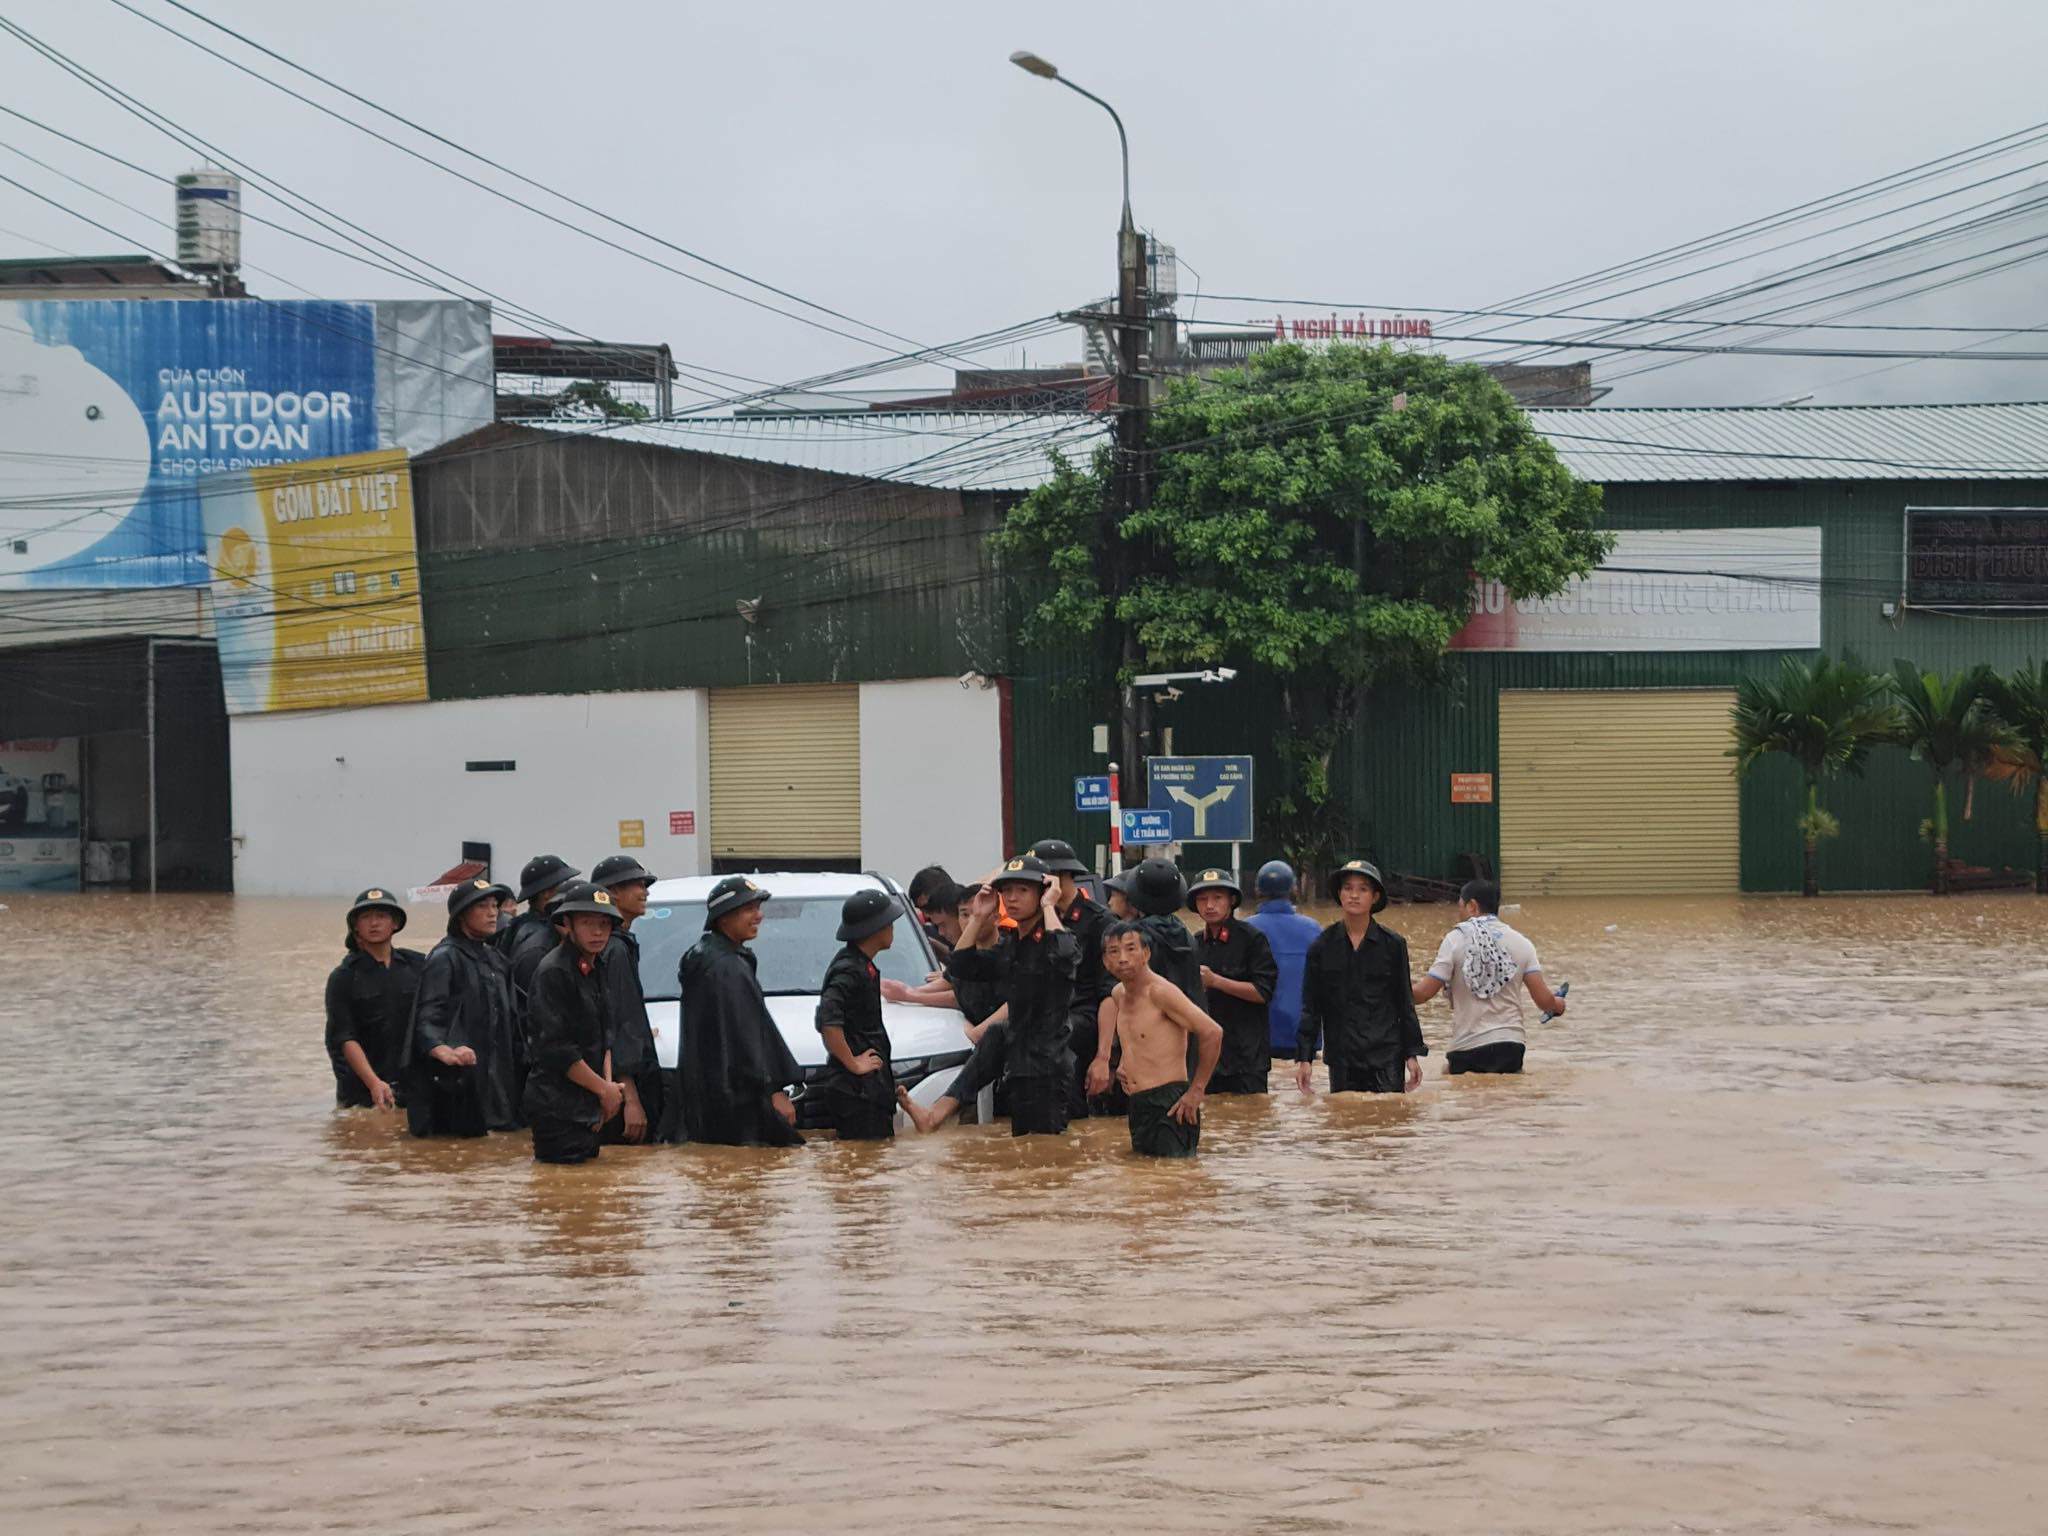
(1025,869)
(1058,856)
(866,913)
(1215,880)
(617,869)
(1120,883)
(544,872)
(377,899)
(470,892)
(1155,888)
(1276,879)
(1363,867)
(584,896)
(729,895)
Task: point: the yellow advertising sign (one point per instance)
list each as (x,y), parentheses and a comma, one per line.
(316,584)
(633,834)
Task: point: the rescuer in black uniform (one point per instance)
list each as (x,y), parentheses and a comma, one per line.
(1087,920)
(1035,965)
(736,1071)
(1239,976)
(1155,891)
(1356,989)
(369,1004)
(571,1091)
(461,1060)
(859,1082)
(635,1067)
(545,874)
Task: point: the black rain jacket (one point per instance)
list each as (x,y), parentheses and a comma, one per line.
(1036,977)
(568,1021)
(370,1004)
(1239,952)
(465,998)
(1360,996)
(733,1057)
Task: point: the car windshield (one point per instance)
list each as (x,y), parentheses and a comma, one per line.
(792,952)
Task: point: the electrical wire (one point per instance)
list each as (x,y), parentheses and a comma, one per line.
(336,86)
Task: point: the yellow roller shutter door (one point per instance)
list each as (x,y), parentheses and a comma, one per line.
(785,772)
(1617,793)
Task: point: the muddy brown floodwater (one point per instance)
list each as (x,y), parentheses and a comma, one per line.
(1760,1243)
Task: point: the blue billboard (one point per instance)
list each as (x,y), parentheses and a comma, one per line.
(113,413)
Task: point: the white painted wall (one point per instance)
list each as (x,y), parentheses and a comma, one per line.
(931,777)
(328,803)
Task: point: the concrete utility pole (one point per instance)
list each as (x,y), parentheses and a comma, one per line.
(1132,488)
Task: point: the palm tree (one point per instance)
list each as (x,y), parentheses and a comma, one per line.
(1947,723)
(2022,704)
(1825,716)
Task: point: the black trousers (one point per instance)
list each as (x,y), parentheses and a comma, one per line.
(651,1085)
(860,1108)
(564,1141)
(1038,1106)
(1240,1082)
(1368,1077)
(1154,1132)
(443,1101)
(1501,1056)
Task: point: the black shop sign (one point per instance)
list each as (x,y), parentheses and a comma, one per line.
(1977,557)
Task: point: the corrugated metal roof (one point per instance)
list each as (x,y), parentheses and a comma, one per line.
(949,450)
(1801,442)
(1007,450)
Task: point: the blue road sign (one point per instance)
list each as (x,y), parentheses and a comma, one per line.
(1091,793)
(1148,826)
(1210,798)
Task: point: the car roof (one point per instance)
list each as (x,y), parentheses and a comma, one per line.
(777,883)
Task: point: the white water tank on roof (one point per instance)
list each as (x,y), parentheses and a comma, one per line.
(210,221)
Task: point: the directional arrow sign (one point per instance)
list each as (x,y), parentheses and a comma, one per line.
(1209,798)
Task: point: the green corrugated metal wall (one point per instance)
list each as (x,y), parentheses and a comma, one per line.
(919,598)
(660,612)
(1396,771)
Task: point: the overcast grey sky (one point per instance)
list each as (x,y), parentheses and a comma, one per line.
(888,161)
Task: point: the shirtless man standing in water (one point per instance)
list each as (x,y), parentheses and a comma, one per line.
(1153,1019)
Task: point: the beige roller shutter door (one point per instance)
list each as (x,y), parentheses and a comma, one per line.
(1617,793)
(785,772)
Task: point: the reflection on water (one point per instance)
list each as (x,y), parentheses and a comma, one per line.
(1757,1244)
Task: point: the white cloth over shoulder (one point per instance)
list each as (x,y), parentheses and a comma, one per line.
(1482,961)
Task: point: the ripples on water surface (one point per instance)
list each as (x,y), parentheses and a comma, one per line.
(1756,1245)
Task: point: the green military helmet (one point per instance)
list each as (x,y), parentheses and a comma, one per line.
(377,899)
(1214,879)
(584,896)
(1058,855)
(729,895)
(470,892)
(1364,867)
(620,869)
(865,914)
(543,872)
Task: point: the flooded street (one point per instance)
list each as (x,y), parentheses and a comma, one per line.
(1760,1243)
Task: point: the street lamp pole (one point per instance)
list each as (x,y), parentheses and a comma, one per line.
(1132,489)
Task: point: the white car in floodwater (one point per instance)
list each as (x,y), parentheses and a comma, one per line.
(796,945)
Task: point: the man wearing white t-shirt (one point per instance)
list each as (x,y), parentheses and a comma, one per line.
(1487,966)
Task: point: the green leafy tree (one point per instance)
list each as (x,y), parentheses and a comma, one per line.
(1825,716)
(1949,724)
(1320,516)
(2022,704)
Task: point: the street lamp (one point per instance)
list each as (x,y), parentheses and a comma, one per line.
(1131,323)
(1032,64)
